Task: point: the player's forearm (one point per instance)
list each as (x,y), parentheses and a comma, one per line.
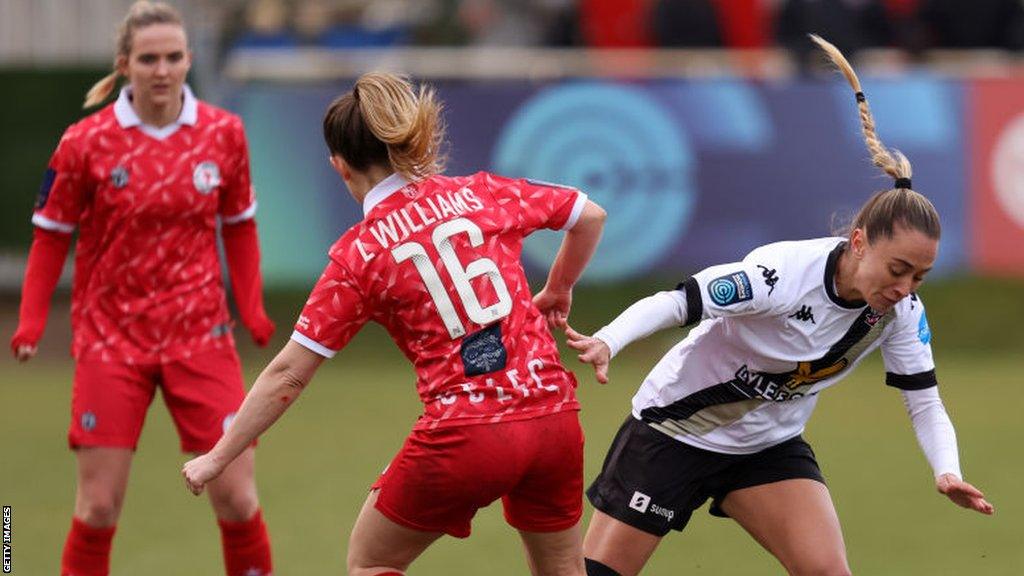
(276,388)
(645,317)
(45,263)
(934,430)
(241,246)
(577,248)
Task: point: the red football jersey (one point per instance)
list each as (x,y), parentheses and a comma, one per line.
(147,285)
(437,263)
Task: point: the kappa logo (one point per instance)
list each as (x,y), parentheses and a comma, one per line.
(804,314)
(206,177)
(770,277)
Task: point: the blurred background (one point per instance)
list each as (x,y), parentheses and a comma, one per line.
(704,127)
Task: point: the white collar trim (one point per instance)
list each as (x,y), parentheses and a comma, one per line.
(128,118)
(382,190)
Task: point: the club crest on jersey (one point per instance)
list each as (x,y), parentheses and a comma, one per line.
(119,177)
(483,351)
(206,177)
(730,289)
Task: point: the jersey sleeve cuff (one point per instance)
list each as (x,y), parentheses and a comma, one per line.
(313,345)
(918,381)
(246,214)
(577,209)
(48,224)
(694,302)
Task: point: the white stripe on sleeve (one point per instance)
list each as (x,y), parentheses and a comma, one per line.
(313,345)
(934,430)
(577,209)
(47,224)
(645,317)
(246,214)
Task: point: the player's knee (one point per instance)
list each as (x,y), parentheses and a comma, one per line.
(595,568)
(99,509)
(235,505)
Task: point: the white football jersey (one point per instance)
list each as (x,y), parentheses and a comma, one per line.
(773,333)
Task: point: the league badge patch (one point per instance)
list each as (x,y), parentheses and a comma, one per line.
(730,289)
(924,332)
(206,177)
(44,189)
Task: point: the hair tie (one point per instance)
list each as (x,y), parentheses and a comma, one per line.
(860,97)
(903,183)
(355,92)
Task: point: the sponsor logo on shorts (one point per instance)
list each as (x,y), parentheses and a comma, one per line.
(88,421)
(642,503)
(730,289)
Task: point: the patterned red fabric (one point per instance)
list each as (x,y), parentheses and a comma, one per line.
(147,285)
(435,263)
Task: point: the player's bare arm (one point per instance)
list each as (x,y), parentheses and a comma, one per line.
(579,244)
(276,388)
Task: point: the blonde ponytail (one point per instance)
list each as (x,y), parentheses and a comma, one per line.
(879,216)
(408,122)
(140,15)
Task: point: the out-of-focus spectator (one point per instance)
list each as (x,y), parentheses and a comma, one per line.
(744,23)
(974,23)
(265,25)
(685,24)
(616,23)
(849,24)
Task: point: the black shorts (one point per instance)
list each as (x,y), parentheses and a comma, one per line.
(654,482)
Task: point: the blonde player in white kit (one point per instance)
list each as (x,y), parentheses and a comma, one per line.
(720,416)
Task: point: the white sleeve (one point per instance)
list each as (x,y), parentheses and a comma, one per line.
(934,430)
(645,317)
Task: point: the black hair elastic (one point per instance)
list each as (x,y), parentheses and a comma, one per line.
(903,183)
(860,97)
(355,92)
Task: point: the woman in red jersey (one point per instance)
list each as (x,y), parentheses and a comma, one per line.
(145,180)
(436,261)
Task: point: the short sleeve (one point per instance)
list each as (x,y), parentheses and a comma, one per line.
(237,197)
(737,289)
(907,350)
(542,204)
(333,314)
(64,190)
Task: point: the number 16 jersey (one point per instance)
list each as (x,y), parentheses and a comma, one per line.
(437,263)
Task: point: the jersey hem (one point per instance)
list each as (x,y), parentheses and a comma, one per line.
(476,419)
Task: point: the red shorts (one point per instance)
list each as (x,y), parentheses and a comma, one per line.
(440,478)
(109,400)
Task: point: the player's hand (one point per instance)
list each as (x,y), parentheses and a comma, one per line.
(554,305)
(592,351)
(261,329)
(200,470)
(963,494)
(23,346)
